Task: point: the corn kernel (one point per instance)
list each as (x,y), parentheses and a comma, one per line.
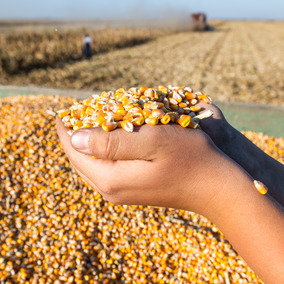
(109,126)
(127,126)
(63,112)
(261,188)
(166,119)
(138,121)
(184,120)
(158,113)
(152,120)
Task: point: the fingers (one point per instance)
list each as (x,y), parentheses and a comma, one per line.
(142,144)
(82,163)
(107,176)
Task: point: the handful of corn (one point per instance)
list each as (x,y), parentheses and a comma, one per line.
(136,106)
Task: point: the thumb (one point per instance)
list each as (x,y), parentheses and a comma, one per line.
(117,144)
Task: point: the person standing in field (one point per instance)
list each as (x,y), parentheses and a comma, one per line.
(87,46)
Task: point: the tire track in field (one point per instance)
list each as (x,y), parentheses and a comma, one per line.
(255,50)
(171,42)
(268,73)
(163,58)
(210,58)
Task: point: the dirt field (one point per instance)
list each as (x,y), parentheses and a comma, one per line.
(239,61)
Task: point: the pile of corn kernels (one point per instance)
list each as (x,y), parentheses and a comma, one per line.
(136,106)
(54,228)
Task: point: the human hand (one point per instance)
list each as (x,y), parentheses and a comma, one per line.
(163,165)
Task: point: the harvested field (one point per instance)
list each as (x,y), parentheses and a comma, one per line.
(26,51)
(54,228)
(233,63)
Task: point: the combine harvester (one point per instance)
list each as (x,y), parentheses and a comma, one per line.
(198,22)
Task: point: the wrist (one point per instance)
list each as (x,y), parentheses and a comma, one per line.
(228,191)
(213,194)
(253,160)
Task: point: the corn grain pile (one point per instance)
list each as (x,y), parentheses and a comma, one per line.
(54,228)
(136,106)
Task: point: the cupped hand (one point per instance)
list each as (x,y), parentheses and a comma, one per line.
(164,165)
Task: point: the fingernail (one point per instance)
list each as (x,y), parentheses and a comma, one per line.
(80,140)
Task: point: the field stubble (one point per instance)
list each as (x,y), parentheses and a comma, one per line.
(240,61)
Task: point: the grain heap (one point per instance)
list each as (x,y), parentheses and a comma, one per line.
(54,228)
(135,107)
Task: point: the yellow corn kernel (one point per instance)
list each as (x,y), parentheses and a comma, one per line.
(99,120)
(193,102)
(173,102)
(136,109)
(158,113)
(184,120)
(120,90)
(87,124)
(78,123)
(150,92)
(261,188)
(125,101)
(152,120)
(177,97)
(97,113)
(163,89)
(90,111)
(190,95)
(109,126)
(76,113)
(78,110)
(182,105)
(166,119)
(87,102)
(128,117)
(98,105)
(130,106)
(63,112)
(146,112)
(147,105)
(195,108)
(67,121)
(204,98)
(117,116)
(127,125)
(142,89)
(138,121)
(121,111)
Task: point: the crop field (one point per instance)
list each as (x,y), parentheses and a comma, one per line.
(239,61)
(54,228)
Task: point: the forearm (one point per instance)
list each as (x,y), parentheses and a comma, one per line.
(257,163)
(253,224)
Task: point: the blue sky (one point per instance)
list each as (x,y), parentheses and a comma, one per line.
(106,9)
